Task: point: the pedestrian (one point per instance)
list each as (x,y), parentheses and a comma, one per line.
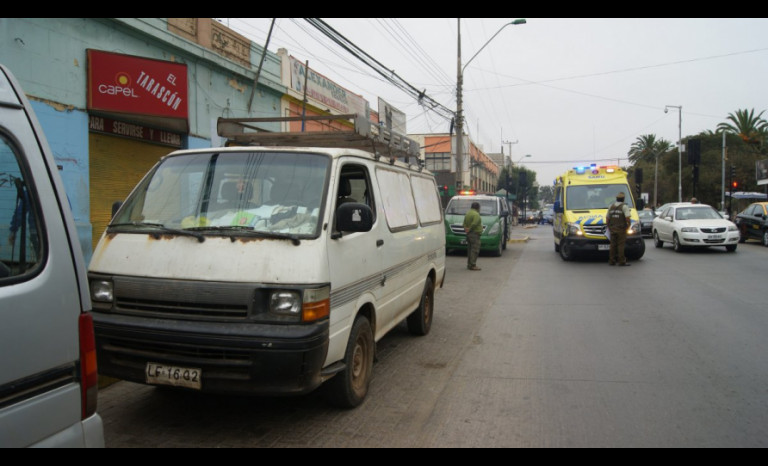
(694,200)
(619,220)
(473,226)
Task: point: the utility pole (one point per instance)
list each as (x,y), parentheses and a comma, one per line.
(459,116)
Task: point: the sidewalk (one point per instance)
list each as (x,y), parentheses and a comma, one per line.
(518,234)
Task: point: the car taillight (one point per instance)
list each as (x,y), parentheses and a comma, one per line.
(89,376)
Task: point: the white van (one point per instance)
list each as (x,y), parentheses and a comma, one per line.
(267,269)
(48,374)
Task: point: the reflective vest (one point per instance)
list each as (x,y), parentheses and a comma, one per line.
(616,218)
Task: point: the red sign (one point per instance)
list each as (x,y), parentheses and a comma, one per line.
(129,84)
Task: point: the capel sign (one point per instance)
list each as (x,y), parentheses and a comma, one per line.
(129,84)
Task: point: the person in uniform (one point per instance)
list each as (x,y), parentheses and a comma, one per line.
(473,227)
(618,218)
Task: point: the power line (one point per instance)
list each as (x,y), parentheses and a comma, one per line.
(386,73)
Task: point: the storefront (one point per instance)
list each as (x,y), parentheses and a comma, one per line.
(137,113)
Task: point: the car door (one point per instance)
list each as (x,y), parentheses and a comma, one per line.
(664,226)
(753,220)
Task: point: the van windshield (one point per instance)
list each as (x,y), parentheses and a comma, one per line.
(595,196)
(246,192)
(460,206)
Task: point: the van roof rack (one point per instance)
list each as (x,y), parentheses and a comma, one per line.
(365,135)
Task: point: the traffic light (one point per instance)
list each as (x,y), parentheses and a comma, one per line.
(734,185)
(444,190)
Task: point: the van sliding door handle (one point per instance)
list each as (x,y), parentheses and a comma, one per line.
(379,242)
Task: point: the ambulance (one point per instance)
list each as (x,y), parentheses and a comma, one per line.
(582,197)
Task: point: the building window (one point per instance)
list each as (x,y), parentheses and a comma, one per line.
(438,161)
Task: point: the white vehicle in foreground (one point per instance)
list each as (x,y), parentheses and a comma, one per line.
(268,269)
(694,225)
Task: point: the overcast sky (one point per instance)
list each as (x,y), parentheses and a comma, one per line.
(566,91)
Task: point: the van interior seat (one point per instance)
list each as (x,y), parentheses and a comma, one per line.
(345,190)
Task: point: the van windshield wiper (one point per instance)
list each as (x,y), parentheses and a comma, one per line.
(200,238)
(250,231)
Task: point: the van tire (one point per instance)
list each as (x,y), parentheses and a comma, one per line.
(499,249)
(348,388)
(565,252)
(420,321)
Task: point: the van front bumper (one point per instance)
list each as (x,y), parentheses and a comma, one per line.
(635,245)
(233,357)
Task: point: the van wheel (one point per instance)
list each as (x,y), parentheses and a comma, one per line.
(348,388)
(420,321)
(497,252)
(565,252)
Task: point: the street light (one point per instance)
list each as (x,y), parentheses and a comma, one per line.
(459,111)
(679,149)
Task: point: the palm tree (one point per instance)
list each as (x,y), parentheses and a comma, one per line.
(647,148)
(752,129)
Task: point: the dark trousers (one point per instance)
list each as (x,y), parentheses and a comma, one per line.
(618,239)
(473,248)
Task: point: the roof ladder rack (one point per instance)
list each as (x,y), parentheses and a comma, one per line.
(362,134)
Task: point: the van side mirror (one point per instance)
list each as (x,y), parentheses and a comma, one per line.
(354,217)
(557,207)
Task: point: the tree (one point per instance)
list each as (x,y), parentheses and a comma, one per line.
(750,128)
(648,149)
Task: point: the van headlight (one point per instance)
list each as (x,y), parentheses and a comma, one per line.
(306,305)
(634,229)
(102,291)
(494,230)
(285,302)
(573,229)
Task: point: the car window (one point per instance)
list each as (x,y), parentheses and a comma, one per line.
(19,216)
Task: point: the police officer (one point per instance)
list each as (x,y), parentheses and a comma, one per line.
(473,227)
(619,220)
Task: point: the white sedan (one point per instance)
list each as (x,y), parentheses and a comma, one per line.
(694,225)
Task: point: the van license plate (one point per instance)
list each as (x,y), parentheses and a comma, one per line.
(160,374)
(463,242)
(603,247)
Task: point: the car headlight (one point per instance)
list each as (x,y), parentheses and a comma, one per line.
(573,229)
(102,291)
(733,228)
(494,230)
(633,229)
(689,229)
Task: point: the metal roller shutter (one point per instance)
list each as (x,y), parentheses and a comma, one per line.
(116,166)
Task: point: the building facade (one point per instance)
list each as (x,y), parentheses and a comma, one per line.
(481,172)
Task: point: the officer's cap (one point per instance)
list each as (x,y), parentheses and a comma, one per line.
(620,196)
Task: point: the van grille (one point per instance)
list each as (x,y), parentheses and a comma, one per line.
(194,300)
(594,230)
(458,229)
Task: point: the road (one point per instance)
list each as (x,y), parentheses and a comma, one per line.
(529,352)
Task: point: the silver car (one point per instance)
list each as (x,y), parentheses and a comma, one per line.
(694,225)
